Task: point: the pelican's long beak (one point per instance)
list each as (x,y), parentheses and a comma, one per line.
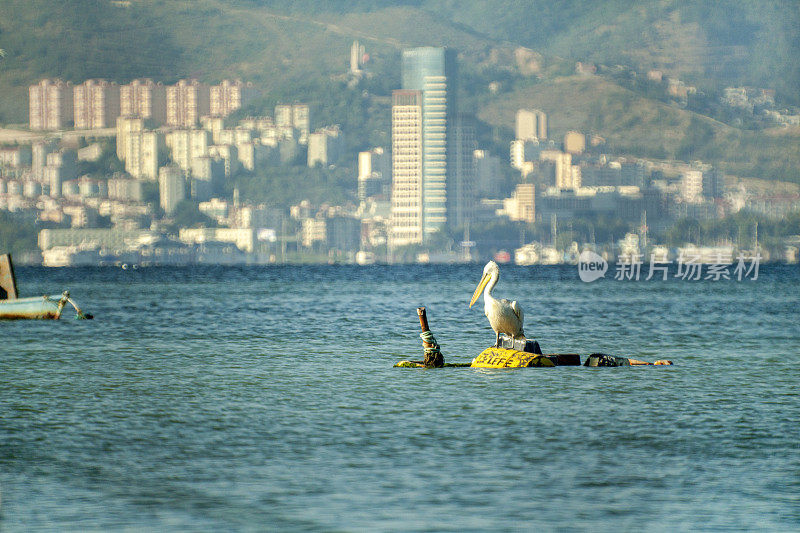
(484,280)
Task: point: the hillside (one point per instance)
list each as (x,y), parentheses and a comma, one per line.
(209,39)
(734,42)
(280,42)
(634,125)
(295,50)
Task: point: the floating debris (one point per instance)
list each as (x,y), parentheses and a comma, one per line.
(513,352)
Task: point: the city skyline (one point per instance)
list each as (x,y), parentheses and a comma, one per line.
(436,167)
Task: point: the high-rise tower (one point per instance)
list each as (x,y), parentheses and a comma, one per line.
(430,73)
(406,209)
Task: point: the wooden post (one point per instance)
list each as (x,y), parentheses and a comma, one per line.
(433,356)
(423,319)
(423,324)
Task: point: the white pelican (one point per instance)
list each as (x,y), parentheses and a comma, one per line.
(504,316)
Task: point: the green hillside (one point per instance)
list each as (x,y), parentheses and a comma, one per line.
(634,125)
(298,50)
(751,42)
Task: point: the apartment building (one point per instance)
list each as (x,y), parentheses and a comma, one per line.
(145,99)
(50,105)
(229,96)
(187,101)
(96,104)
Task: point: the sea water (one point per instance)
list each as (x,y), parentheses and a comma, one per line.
(264,398)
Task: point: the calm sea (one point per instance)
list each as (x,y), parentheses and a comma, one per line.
(264,398)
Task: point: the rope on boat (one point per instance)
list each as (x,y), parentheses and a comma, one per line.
(61,303)
(80,315)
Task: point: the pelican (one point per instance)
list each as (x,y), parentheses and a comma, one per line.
(504,316)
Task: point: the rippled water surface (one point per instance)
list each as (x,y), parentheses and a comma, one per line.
(264,398)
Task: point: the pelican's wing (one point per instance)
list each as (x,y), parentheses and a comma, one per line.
(518,311)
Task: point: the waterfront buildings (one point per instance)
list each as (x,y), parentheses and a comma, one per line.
(434,172)
(102,237)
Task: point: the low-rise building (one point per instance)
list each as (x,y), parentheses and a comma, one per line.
(243,238)
(215,208)
(171,188)
(325,146)
(522,204)
(112,239)
(81,216)
(343,233)
(374,173)
(125,190)
(314,232)
(16,156)
(628,203)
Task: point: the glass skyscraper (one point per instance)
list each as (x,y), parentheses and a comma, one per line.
(432,72)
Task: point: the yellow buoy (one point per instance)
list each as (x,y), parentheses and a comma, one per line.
(507,358)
